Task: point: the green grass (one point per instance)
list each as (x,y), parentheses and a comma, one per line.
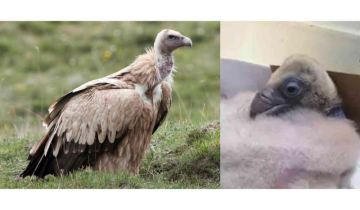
(180,156)
(41,61)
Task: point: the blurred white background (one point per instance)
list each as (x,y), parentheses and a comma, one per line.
(336,45)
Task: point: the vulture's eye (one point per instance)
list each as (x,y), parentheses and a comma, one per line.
(171,37)
(292,87)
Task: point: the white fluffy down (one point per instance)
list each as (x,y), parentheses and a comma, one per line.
(301,149)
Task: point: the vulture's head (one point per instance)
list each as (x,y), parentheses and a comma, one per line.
(168,40)
(299,82)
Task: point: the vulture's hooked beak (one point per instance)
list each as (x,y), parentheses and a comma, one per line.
(268,102)
(186,41)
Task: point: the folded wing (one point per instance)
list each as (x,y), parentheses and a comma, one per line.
(88,123)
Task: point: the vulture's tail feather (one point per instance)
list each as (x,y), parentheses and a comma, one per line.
(41,165)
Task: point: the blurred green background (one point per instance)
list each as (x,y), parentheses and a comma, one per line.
(41,61)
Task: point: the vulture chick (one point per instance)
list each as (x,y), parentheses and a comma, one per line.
(292,134)
(107,123)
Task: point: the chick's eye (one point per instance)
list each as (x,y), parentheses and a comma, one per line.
(171,37)
(292,89)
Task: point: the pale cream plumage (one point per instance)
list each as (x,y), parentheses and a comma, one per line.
(300,149)
(107,123)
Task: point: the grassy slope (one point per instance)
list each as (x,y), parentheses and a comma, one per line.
(180,156)
(40,61)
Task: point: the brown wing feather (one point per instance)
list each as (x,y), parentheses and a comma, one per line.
(88,124)
(57,106)
(99,113)
(108,82)
(164,106)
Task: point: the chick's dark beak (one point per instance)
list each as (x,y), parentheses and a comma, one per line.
(186,41)
(268,102)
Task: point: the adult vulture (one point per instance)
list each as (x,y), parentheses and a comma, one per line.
(291,134)
(107,123)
